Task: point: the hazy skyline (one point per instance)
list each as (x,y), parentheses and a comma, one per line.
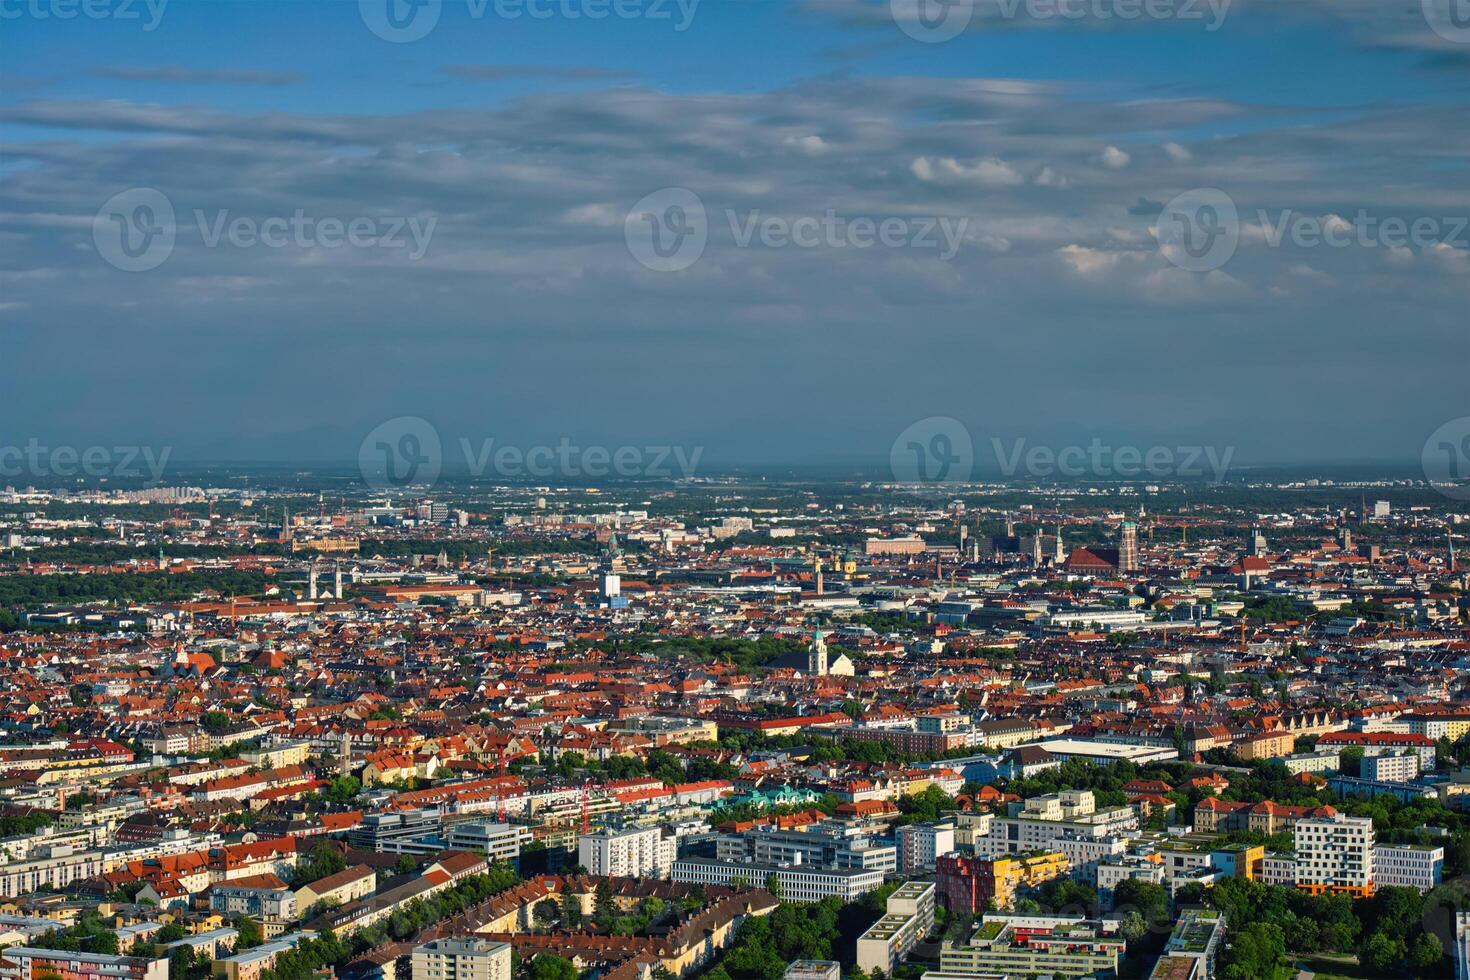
(498,287)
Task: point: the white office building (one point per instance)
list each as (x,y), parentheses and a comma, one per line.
(1417,866)
(798,882)
(499,841)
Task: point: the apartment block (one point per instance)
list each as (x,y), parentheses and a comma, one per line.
(969,885)
(636,852)
(25,963)
(919,845)
(1034,945)
(462,959)
(908,918)
(1335,854)
(1390,767)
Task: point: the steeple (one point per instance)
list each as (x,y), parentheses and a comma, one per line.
(817,655)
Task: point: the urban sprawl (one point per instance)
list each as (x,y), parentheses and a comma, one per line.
(734,729)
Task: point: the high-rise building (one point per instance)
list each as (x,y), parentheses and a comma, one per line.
(462,959)
(1334,853)
(1127,547)
(637,852)
(920,844)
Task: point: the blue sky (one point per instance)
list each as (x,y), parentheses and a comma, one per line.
(518,146)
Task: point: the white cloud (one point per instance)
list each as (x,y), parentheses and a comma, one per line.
(1114,158)
(596,215)
(1047,177)
(989,172)
(812,146)
(1177,153)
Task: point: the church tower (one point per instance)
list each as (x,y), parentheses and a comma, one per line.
(817,655)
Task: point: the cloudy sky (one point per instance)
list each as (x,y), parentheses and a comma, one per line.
(779,230)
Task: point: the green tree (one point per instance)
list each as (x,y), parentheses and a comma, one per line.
(1425,952)
(343,789)
(545,966)
(773,885)
(250,935)
(1257,952)
(1382,954)
(605,909)
(1150,899)
(571,909)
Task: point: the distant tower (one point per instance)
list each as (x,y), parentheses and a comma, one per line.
(817,571)
(1258,543)
(1010,527)
(1036,548)
(1345,538)
(311,583)
(612,574)
(337,580)
(344,753)
(286,524)
(443,560)
(1450,540)
(1060,552)
(1128,547)
(816,658)
(162,561)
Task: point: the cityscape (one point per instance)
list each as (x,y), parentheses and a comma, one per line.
(734,489)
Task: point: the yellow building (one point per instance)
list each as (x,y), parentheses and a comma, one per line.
(1268,745)
(1014,873)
